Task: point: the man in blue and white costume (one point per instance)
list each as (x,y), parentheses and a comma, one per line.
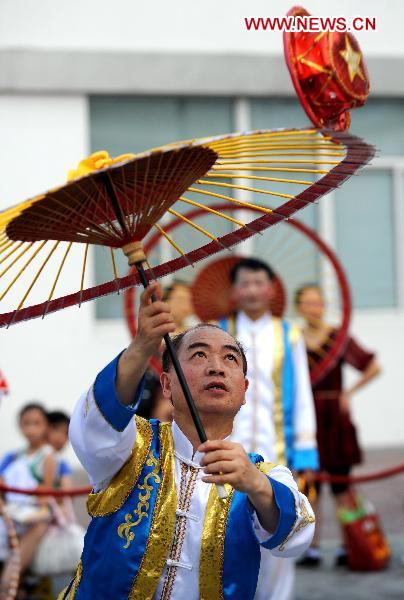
(159,529)
(278,419)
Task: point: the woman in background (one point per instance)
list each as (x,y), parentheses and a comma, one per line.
(336,435)
(179,298)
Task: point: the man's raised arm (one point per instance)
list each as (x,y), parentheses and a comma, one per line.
(101,431)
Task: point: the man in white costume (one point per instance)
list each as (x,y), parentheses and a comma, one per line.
(159,529)
(278,419)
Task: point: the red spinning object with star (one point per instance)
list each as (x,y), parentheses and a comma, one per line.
(328,72)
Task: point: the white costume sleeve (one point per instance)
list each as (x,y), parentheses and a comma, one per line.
(102,431)
(295,529)
(305,444)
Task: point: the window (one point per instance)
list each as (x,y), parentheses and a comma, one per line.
(365,245)
(366,219)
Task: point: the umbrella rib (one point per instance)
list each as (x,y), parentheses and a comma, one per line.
(98,231)
(153,212)
(146,175)
(6,245)
(123,187)
(16,259)
(230,199)
(113,263)
(286,170)
(100,198)
(59,271)
(156,173)
(169,239)
(244,187)
(258,178)
(241,161)
(243,155)
(83,271)
(22,269)
(267,135)
(273,142)
(41,268)
(197,227)
(116,205)
(266,146)
(212,210)
(271,151)
(133,198)
(18,245)
(56,216)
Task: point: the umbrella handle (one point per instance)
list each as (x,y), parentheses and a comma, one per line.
(183,382)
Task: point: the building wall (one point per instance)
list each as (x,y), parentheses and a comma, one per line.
(51,59)
(179,26)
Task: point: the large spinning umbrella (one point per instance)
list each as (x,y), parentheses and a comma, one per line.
(115,203)
(45,241)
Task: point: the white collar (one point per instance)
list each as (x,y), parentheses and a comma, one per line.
(243,320)
(183,448)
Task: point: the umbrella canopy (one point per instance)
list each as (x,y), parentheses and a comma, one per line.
(117,202)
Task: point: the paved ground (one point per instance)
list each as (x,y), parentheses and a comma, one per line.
(328,583)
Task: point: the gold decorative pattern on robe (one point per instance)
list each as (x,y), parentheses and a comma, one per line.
(231,325)
(124,529)
(265,467)
(187,486)
(306,519)
(279,355)
(212,545)
(162,525)
(113,497)
(294,334)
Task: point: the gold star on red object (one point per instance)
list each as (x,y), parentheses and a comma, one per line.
(353,60)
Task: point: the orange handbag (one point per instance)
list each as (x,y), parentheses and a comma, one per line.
(366,545)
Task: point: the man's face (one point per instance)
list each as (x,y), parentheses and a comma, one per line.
(213,368)
(252,290)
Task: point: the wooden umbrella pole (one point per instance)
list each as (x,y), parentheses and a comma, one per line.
(183,382)
(177,367)
(136,257)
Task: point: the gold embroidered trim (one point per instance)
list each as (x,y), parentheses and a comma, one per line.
(73,589)
(306,519)
(113,497)
(186,491)
(279,354)
(265,467)
(231,325)
(294,334)
(212,545)
(124,529)
(162,525)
